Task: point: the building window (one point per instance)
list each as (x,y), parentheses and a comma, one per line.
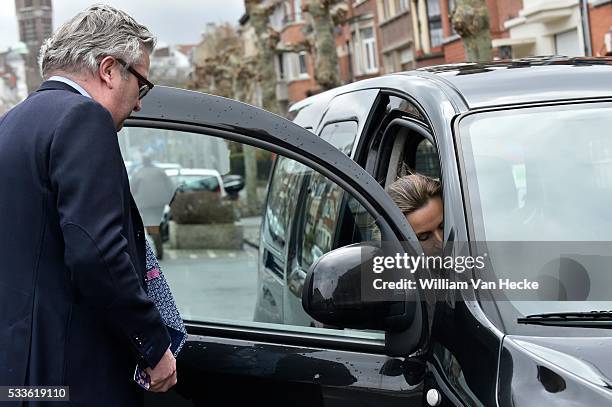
(369,50)
(436,35)
(505,52)
(401,5)
(302,64)
(47,27)
(568,44)
(292,66)
(386,9)
(297,10)
(280,65)
(388,64)
(288,16)
(406,58)
(356,50)
(27,3)
(277,18)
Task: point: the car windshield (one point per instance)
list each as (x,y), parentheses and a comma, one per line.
(539,182)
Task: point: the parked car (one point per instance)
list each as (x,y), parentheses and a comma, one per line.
(133,166)
(197,179)
(200,179)
(523,152)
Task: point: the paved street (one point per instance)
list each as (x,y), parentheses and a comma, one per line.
(218,284)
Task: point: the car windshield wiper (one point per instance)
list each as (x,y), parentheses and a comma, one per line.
(587,319)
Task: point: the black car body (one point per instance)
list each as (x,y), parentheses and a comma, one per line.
(471,351)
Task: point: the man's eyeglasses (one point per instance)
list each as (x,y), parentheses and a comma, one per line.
(143,83)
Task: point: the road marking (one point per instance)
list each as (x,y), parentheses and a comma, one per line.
(211,254)
(232,254)
(172,255)
(193,256)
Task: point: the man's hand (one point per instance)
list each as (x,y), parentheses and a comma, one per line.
(163,376)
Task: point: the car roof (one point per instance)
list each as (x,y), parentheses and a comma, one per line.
(192,171)
(528,80)
(505,82)
(167,165)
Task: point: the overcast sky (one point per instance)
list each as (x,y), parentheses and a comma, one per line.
(172,21)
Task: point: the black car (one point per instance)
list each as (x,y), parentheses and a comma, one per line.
(524,154)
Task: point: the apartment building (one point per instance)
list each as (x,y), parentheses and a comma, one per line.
(35,19)
(396,35)
(365,42)
(600,27)
(384,36)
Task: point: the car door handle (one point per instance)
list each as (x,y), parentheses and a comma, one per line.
(272,264)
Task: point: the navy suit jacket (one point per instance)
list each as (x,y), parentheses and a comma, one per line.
(73,305)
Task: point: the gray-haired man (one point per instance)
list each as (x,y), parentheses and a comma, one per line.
(73,308)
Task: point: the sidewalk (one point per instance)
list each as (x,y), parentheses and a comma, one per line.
(252,226)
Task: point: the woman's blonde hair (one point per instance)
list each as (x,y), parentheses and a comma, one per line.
(412,192)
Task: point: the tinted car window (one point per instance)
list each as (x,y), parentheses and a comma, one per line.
(323,200)
(283,187)
(540,188)
(426,160)
(214,256)
(341,135)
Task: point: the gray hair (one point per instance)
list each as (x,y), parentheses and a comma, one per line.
(99,31)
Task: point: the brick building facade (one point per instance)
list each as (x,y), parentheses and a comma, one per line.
(600,24)
(35,19)
(384,36)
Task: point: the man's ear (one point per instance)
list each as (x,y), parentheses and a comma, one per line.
(108,70)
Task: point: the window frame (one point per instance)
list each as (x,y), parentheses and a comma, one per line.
(369,51)
(301,212)
(302,57)
(435,19)
(331,338)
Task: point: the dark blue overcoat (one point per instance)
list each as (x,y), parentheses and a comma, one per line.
(73,307)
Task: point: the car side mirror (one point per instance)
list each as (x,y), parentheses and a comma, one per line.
(333,293)
(233,184)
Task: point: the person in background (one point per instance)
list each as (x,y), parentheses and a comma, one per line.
(152,190)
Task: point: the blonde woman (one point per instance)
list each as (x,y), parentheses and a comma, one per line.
(420,199)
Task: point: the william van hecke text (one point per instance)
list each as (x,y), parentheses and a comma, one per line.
(446,284)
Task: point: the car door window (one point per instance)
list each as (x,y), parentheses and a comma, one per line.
(213,257)
(323,200)
(321,226)
(283,187)
(341,135)
(426,160)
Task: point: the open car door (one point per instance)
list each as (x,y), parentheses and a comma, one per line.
(211,253)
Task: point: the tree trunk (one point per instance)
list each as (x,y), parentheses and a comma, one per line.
(250,181)
(267,39)
(326,58)
(471,21)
